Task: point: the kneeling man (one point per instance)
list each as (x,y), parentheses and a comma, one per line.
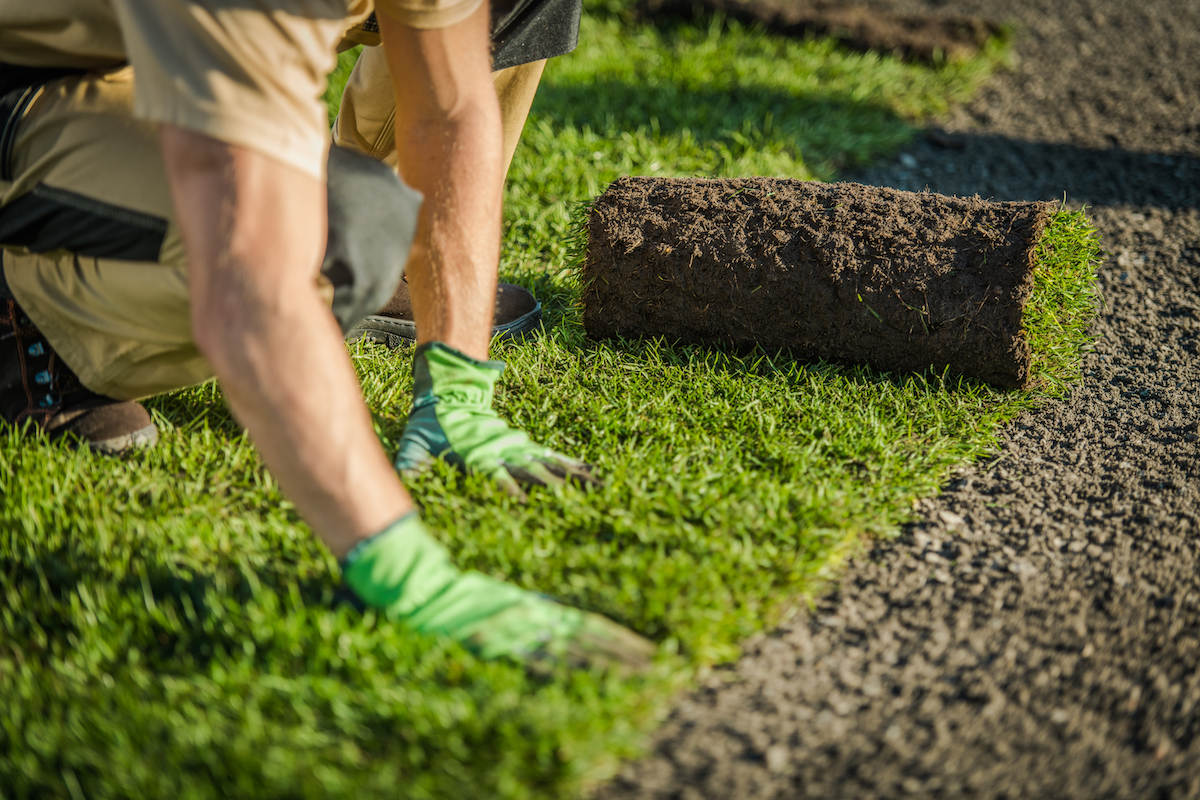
(170,209)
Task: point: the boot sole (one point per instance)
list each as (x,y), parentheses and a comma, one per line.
(146,437)
(395,333)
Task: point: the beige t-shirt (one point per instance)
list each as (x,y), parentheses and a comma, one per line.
(247,72)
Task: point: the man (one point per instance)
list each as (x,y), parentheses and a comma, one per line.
(167,189)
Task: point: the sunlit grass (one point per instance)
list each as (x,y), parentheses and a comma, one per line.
(1064,301)
(169,625)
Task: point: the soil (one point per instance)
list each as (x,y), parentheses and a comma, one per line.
(911,36)
(902,281)
(1036,634)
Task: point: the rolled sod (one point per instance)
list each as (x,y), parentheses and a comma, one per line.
(900,281)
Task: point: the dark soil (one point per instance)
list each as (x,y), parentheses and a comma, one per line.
(902,281)
(1037,633)
(911,36)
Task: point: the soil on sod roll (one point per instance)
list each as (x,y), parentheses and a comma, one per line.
(901,281)
(911,36)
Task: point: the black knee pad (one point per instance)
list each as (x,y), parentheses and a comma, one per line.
(372,222)
(530,30)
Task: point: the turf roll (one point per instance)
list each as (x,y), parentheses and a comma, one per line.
(900,281)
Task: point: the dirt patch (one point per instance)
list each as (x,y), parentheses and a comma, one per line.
(910,36)
(837,272)
(1037,633)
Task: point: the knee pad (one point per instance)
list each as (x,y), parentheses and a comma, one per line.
(531,30)
(372,222)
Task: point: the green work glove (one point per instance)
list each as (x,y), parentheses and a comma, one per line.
(406,574)
(452,418)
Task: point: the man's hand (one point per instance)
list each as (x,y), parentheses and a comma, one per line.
(408,575)
(453,419)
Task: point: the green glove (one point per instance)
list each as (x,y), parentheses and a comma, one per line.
(452,418)
(408,575)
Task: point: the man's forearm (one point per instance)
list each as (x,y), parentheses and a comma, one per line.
(450,149)
(254,233)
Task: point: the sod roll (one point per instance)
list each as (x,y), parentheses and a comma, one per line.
(901,281)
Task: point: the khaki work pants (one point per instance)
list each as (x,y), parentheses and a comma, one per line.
(100,266)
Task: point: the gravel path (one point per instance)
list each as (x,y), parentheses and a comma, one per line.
(1038,634)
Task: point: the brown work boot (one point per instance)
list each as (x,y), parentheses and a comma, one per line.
(517,314)
(36,386)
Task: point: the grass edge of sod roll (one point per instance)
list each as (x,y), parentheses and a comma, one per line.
(168,625)
(1063,301)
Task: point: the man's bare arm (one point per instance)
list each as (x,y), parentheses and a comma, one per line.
(254,229)
(450,147)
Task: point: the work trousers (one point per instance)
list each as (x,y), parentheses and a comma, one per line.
(91,249)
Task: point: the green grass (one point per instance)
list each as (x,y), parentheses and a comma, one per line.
(1060,310)
(168,627)
(337,80)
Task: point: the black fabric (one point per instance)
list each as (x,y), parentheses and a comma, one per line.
(524,31)
(5,292)
(46,219)
(14,77)
(372,222)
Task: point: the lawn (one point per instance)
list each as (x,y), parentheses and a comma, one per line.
(169,625)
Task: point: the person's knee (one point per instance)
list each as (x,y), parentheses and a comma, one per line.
(372,222)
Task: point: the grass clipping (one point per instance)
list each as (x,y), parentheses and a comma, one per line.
(899,281)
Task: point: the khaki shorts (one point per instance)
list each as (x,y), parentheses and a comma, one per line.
(117,310)
(366,121)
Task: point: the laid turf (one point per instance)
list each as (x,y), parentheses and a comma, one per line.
(168,626)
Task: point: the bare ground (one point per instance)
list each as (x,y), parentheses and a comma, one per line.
(1037,634)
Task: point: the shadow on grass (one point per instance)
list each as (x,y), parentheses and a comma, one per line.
(177,602)
(755,361)
(195,407)
(830,132)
